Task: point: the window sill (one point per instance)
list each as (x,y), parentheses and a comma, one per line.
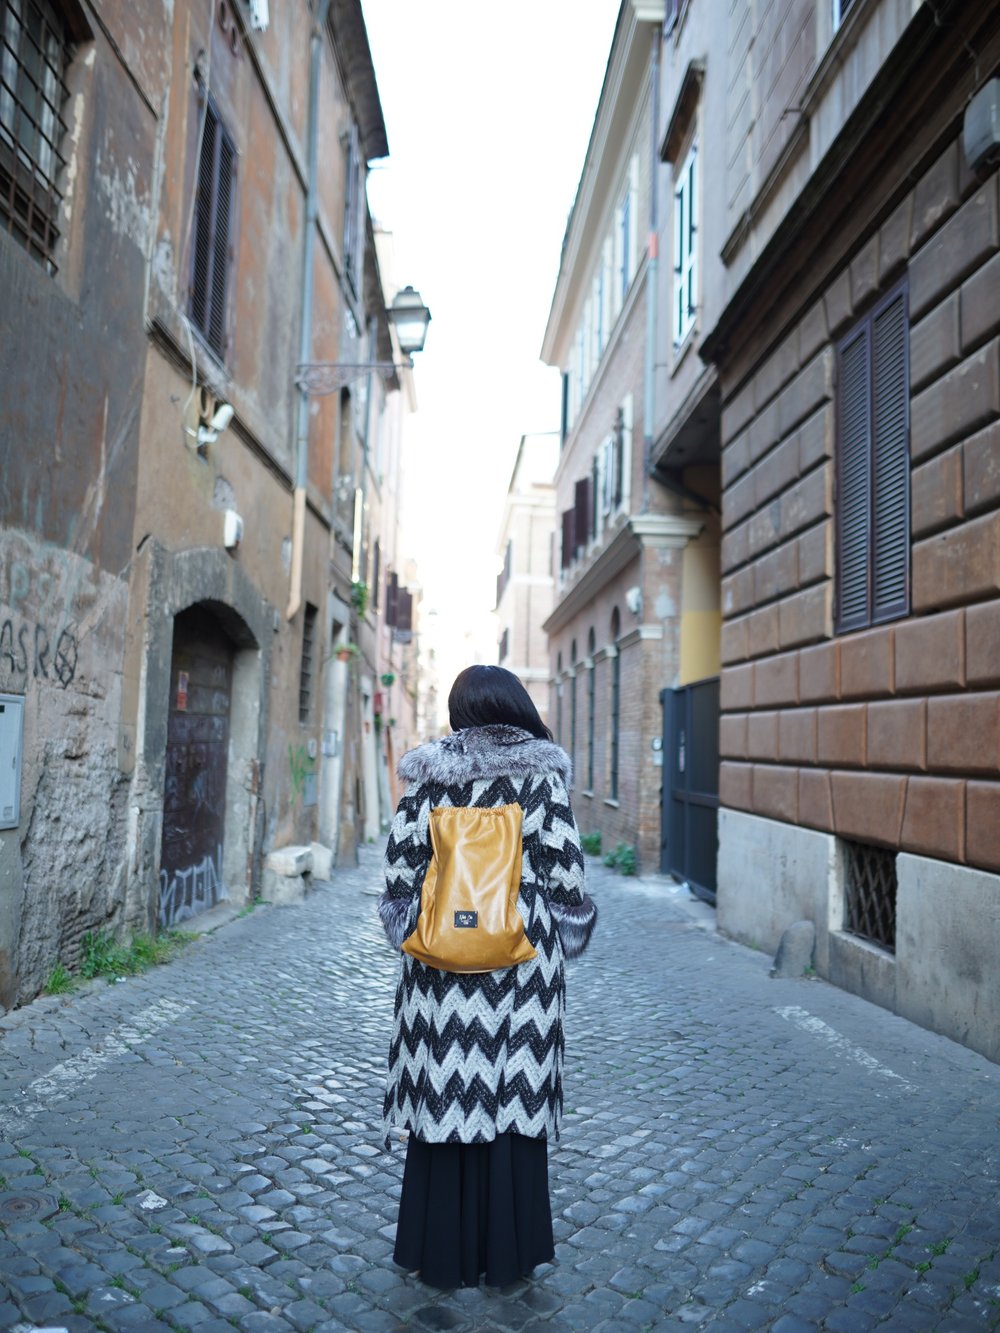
(682,349)
(614,805)
(589,795)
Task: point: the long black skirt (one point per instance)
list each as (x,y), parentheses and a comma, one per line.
(468,1210)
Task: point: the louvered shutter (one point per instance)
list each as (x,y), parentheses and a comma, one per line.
(891,460)
(595,493)
(618,455)
(853,482)
(214,214)
(224,192)
(568,544)
(581,507)
(391,599)
(202,263)
(404,613)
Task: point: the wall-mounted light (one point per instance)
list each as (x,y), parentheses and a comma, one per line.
(409,317)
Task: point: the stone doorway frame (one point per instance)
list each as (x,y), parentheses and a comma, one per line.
(208,577)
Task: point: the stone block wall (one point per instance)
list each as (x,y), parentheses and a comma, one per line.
(889,735)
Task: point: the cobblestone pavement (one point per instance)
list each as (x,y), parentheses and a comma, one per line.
(738,1152)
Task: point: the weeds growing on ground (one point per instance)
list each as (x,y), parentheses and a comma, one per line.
(591,843)
(103,956)
(622,859)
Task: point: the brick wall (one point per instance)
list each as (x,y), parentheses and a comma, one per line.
(890,735)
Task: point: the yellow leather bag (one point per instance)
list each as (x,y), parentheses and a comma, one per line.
(469,920)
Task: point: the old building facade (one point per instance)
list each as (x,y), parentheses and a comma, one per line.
(524,584)
(183,225)
(857,354)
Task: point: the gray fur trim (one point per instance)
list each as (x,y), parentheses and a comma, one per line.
(484,752)
(575,925)
(395,915)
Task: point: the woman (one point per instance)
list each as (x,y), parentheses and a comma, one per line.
(475,1064)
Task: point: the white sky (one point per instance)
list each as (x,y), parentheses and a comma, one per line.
(488,110)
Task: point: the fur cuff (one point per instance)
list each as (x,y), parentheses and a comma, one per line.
(395,915)
(575,925)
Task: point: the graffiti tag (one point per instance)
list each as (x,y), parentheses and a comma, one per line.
(191,890)
(28,649)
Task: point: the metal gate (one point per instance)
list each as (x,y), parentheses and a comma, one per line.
(689,808)
(194,796)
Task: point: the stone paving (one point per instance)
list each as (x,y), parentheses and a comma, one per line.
(198,1148)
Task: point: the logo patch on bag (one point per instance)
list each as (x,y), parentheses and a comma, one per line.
(466,920)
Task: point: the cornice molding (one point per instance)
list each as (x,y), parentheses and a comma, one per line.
(653,531)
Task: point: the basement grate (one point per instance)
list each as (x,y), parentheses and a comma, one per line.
(870,885)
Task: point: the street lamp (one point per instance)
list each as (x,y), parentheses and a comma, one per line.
(408,316)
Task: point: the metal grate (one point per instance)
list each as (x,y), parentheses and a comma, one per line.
(870,878)
(34,55)
(306,668)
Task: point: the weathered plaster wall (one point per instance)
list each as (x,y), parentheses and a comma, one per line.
(61,873)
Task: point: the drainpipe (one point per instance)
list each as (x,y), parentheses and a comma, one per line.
(652,268)
(305,325)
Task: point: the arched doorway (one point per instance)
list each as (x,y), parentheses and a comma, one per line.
(194,792)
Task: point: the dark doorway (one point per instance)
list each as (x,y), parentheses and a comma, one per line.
(689,814)
(194,796)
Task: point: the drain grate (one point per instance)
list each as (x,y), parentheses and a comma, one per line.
(26,1207)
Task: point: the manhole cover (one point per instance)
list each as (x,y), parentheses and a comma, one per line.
(26,1207)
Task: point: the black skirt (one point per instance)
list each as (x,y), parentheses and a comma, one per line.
(473,1209)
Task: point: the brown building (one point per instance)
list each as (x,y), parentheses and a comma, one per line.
(858,354)
(524,584)
(182,225)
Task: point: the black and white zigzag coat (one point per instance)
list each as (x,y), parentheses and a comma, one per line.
(479,1054)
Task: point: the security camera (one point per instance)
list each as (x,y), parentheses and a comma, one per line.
(633,600)
(222,418)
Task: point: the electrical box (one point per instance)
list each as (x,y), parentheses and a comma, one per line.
(11,740)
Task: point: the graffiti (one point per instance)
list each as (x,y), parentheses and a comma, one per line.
(301,767)
(29,650)
(193,889)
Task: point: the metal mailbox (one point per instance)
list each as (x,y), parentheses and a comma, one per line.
(11,739)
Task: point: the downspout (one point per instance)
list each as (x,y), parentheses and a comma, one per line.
(652,269)
(305,325)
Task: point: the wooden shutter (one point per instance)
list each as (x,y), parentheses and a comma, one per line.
(618,455)
(581,508)
(404,613)
(376,575)
(391,599)
(853,482)
(890,460)
(595,495)
(213,226)
(568,543)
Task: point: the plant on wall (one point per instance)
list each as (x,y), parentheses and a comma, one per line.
(359,596)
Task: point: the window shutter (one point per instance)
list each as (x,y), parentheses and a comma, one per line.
(203,247)
(890,447)
(225,182)
(568,544)
(619,458)
(595,495)
(581,508)
(853,483)
(391,600)
(404,613)
(376,574)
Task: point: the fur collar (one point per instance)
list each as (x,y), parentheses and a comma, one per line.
(484,752)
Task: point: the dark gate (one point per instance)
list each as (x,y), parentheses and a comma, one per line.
(689,813)
(194,796)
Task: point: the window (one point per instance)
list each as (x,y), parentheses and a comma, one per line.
(306,668)
(34,55)
(591,710)
(840,10)
(616,698)
(559,698)
(685,247)
(374,582)
(873,467)
(624,247)
(214,219)
(352,208)
(870,893)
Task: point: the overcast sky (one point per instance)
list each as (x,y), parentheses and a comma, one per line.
(488,110)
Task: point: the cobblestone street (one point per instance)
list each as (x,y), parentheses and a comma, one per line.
(738,1152)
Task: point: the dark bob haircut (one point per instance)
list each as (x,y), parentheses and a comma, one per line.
(484,696)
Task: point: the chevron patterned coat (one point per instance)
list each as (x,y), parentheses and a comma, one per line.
(481,1054)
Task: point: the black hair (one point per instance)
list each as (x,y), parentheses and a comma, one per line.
(484,696)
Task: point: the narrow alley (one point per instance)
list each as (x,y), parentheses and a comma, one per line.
(198,1148)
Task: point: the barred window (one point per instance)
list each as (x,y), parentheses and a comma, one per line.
(307,669)
(214,221)
(34,57)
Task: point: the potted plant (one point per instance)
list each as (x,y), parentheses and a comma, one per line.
(343,652)
(388,678)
